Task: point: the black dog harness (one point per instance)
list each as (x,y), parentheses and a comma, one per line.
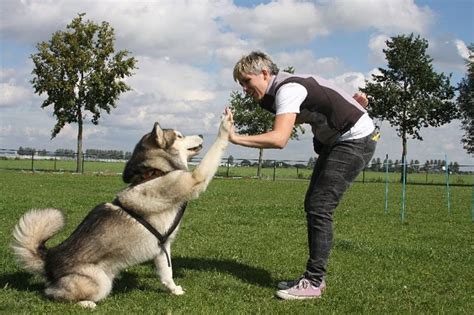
(162,238)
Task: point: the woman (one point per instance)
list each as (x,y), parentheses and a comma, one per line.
(343,138)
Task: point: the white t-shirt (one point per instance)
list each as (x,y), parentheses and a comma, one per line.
(289,97)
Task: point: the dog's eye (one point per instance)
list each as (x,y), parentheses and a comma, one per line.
(179,136)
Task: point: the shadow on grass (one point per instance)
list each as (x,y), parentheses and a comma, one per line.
(21,281)
(246,273)
(128,280)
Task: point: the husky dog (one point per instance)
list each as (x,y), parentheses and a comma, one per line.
(130,230)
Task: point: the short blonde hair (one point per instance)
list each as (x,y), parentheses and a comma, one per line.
(254,63)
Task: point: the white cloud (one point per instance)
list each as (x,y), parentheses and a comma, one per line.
(183,29)
(278,22)
(171,80)
(15,89)
(6,130)
(23,19)
(6,74)
(286,22)
(167,91)
(94,131)
(448,53)
(463,50)
(304,61)
(376,46)
(350,82)
(158,28)
(13,95)
(186,51)
(232,50)
(390,16)
(35,133)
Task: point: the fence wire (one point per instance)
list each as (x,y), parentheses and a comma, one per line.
(436,173)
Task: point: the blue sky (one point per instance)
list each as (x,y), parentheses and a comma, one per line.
(186,51)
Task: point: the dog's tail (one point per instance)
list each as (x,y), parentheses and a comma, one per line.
(30,234)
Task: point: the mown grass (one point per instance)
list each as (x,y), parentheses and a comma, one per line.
(243,236)
(114,168)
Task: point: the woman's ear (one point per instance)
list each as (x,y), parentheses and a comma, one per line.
(266,74)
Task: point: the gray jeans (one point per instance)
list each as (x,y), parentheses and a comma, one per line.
(336,168)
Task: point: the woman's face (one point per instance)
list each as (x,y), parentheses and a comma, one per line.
(255,85)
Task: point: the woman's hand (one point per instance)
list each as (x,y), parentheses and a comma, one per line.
(277,138)
(362,99)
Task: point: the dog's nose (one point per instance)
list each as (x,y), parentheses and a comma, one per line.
(201,136)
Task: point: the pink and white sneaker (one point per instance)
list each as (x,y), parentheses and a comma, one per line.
(301,289)
(285,285)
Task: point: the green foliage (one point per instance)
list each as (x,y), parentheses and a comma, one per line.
(311,162)
(80,72)
(107,154)
(65,153)
(465,102)
(26,151)
(410,95)
(77,70)
(243,236)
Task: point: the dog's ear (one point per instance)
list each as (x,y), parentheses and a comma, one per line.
(158,134)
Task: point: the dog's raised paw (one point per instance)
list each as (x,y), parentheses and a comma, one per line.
(225,127)
(177,290)
(87,304)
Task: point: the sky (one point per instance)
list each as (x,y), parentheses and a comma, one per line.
(186,51)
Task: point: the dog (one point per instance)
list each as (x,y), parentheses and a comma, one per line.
(125,232)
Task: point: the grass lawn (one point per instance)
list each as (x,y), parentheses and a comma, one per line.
(244,235)
(116,167)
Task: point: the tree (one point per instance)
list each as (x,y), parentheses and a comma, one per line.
(245,163)
(64,153)
(391,166)
(311,162)
(377,165)
(251,119)
(465,102)
(416,166)
(410,94)
(426,166)
(79,72)
(455,167)
(26,151)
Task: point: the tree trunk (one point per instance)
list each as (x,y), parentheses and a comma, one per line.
(404,155)
(79,144)
(260,160)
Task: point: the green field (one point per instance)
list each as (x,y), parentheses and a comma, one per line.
(244,235)
(114,168)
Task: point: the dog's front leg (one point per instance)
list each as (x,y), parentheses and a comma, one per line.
(204,172)
(165,272)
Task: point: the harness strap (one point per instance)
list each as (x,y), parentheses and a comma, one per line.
(162,238)
(149,174)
